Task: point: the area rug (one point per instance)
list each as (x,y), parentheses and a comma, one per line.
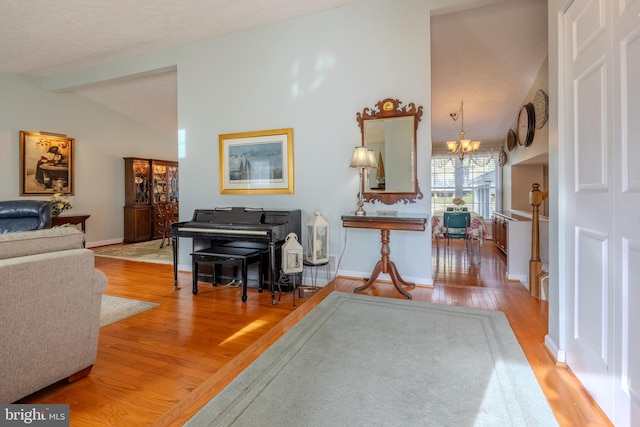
(360,360)
(116,308)
(144,251)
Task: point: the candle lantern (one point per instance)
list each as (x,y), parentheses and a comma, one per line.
(291,255)
(318,240)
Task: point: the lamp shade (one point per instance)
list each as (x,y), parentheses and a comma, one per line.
(317,240)
(363,158)
(372,159)
(291,255)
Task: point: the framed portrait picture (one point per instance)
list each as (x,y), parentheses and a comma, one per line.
(258,162)
(46,164)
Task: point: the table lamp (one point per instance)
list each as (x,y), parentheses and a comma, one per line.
(363,158)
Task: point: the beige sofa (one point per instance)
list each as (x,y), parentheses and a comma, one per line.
(49,309)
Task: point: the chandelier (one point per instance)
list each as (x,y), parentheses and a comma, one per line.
(464,146)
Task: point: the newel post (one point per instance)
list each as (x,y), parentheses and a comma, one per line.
(536,197)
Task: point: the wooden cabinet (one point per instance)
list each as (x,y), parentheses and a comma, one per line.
(512,234)
(148,182)
(501,232)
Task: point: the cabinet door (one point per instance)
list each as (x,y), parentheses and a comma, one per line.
(164,182)
(159,182)
(500,232)
(137,224)
(172,179)
(137,181)
(505,234)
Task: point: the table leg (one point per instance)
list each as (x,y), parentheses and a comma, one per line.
(272,272)
(194,275)
(244,279)
(174,252)
(385,265)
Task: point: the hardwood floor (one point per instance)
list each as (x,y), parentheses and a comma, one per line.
(160,366)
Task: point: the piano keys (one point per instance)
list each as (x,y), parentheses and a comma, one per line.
(238,225)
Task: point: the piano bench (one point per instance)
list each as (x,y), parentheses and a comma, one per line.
(227,255)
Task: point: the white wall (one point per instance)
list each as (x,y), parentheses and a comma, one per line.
(556,338)
(522,176)
(515,191)
(312,74)
(102,137)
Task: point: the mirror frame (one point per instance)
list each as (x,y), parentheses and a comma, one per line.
(385,109)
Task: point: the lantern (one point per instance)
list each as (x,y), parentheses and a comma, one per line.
(318,240)
(291,255)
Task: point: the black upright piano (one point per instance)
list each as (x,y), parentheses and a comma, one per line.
(215,227)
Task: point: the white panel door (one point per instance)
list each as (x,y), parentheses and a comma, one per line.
(590,197)
(626,132)
(602,99)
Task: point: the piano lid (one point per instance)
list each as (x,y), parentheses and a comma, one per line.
(233,223)
(231,215)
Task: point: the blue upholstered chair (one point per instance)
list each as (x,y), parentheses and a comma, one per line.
(456,225)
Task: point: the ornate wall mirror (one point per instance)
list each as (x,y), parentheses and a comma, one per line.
(389,129)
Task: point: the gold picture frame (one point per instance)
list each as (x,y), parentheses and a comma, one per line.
(46,164)
(259,162)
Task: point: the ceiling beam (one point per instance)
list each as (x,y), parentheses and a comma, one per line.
(135,67)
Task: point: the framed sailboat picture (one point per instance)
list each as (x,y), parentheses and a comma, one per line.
(259,162)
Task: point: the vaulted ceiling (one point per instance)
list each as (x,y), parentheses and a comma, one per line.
(487,56)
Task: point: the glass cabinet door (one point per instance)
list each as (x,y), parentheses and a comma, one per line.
(141,181)
(159,183)
(172,175)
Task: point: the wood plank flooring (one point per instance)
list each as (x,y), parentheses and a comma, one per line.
(160,366)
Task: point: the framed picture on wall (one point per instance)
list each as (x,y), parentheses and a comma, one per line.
(46,164)
(258,162)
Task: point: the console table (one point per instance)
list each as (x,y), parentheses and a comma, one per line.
(70,219)
(408,222)
(80,220)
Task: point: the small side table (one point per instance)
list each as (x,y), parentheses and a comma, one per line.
(402,222)
(313,274)
(80,220)
(71,219)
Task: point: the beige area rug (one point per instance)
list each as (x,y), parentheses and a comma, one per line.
(116,308)
(358,360)
(144,251)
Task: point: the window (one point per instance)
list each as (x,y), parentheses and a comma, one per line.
(474,181)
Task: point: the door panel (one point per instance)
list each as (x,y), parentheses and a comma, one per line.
(592,324)
(588,96)
(626,55)
(630,368)
(590,137)
(602,99)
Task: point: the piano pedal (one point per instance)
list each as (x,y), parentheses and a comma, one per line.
(234,283)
